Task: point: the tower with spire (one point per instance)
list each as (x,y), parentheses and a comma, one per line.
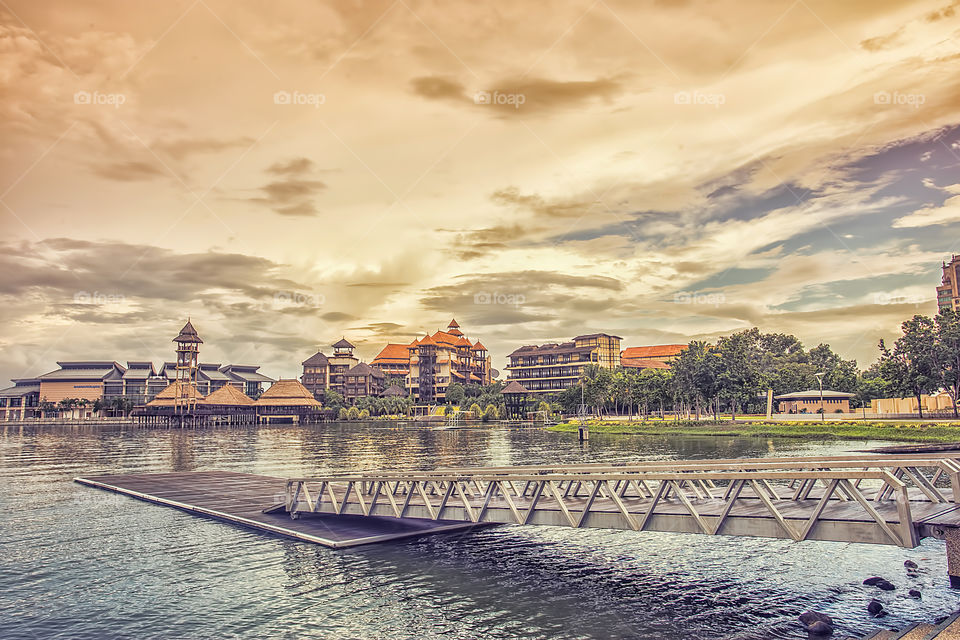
(188,354)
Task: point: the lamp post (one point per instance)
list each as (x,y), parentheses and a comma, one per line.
(823,412)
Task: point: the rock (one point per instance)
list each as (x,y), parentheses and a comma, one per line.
(915,594)
(885,585)
(809,617)
(872,581)
(820,629)
(911,573)
(874,607)
(910,564)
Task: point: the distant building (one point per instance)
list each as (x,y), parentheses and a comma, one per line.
(553,367)
(948,293)
(443,358)
(322,372)
(809,401)
(287,401)
(315,376)
(138,381)
(362,380)
(21,401)
(652,357)
(393,360)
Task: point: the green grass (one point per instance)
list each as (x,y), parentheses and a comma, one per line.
(846,430)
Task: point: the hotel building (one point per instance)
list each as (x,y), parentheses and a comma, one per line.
(436,361)
(948,293)
(553,367)
(138,381)
(322,372)
(657,356)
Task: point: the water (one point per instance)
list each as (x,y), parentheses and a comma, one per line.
(77,562)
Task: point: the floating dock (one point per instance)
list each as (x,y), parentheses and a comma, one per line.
(256,502)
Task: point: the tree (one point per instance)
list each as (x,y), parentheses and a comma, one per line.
(476,410)
(696,371)
(739,377)
(912,367)
(455,394)
(948,339)
(333,400)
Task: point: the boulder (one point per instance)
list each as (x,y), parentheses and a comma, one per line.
(910,564)
(820,629)
(874,607)
(885,585)
(914,593)
(873,581)
(809,617)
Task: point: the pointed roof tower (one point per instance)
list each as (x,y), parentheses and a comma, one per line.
(188,334)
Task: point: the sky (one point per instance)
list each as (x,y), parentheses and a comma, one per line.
(293,172)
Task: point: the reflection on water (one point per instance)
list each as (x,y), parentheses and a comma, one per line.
(82,563)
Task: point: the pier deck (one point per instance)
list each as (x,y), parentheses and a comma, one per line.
(241,498)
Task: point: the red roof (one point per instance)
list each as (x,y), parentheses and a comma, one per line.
(393,352)
(427,340)
(479,346)
(453,324)
(644,363)
(654,351)
(463,342)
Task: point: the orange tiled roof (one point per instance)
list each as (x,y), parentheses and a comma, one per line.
(479,346)
(644,363)
(654,351)
(393,352)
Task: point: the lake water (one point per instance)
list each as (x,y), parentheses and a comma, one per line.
(76,562)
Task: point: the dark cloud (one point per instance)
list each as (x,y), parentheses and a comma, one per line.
(519,95)
(437,88)
(879,43)
(292,194)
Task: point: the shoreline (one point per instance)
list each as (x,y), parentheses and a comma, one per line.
(920,432)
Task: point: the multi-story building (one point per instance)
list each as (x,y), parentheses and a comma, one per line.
(316,374)
(106,380)
(948,293)
(362,380)
(442,358)
(393,360)
(21,401)
(553,367)
(658,356)
(322,372)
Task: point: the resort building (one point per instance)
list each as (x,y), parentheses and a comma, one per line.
(553,367)
(362,380)
(21,401)
(436,361)
(139,381)
(393,360)
(653,357)
(809,401)
(948,293)
(322,372)
(288,401)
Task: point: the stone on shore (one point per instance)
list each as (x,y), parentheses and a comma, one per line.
(874,607)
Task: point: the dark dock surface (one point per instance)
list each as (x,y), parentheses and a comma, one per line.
(241,498)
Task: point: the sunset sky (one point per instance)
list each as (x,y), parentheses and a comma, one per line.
(290,172)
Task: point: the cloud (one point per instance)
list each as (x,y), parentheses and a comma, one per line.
(436,88)
(879,43)
(130,171)
(928,216)
(293,193)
